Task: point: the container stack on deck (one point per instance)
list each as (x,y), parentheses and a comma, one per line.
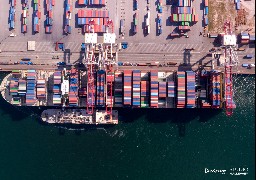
(190,89)
(100,99)
(118,89)
(136,74)
(40,89)
(99,17)
(22,87)
(82,92)
(162,94)
(154,89)
(14,84)
(73,88)
(57,88)
(181,90)
(171,89)
(49,20)
(184,13)
(68,11)
(245,38)
(110,90)
(215,95)
(144,94)
(36,16)
(31,88)
(127,87)
(12,14)
(171,93)
(25,12)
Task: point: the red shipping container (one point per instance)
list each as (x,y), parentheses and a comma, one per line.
(50,14)
(79,13)
(205,2)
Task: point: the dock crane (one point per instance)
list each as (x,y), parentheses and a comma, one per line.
(90,64)
(110,24)
(230,61)
(109,92)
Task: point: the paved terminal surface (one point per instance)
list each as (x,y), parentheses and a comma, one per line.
(141,48)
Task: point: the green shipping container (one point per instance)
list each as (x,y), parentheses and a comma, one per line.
(135,21)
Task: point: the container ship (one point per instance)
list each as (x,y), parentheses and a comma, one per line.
(78,96)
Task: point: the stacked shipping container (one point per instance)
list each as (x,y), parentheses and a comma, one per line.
(127,87)
(153,89)
(144,94)
(136,88)
(92,2)
(110,89)
(73,88)
(206,12)
(41,89)
(100,99)
(171,89)
(49,14)
(181,90)
(99,18)
(184,13)
(190,89)
(25,11)
(162,94)
(68,11)
(36,16)
(12,14)
(57,88)
(118,89)
(31,88)
(245,38)
(14,83)
(22,87)
(215,96)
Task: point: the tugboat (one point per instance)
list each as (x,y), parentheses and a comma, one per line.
(78,116)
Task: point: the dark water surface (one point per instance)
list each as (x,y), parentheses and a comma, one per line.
(172,145)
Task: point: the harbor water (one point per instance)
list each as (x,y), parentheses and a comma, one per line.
(145,145)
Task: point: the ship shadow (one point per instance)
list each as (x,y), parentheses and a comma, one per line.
(178,117)
(15,113)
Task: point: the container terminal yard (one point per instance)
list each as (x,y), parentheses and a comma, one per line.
(85,59)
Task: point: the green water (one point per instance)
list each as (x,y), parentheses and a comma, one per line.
(176,145)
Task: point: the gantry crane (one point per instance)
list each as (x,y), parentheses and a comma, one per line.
(230,61)
(110,24)
(109,96)
(90,64)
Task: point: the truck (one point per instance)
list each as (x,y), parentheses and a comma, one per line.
(83,46)
(147,29)
(160,9)
(159,30)
(135,5)
(25,59)
(134,29)
(122,26)
(249,56)
(240,49)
